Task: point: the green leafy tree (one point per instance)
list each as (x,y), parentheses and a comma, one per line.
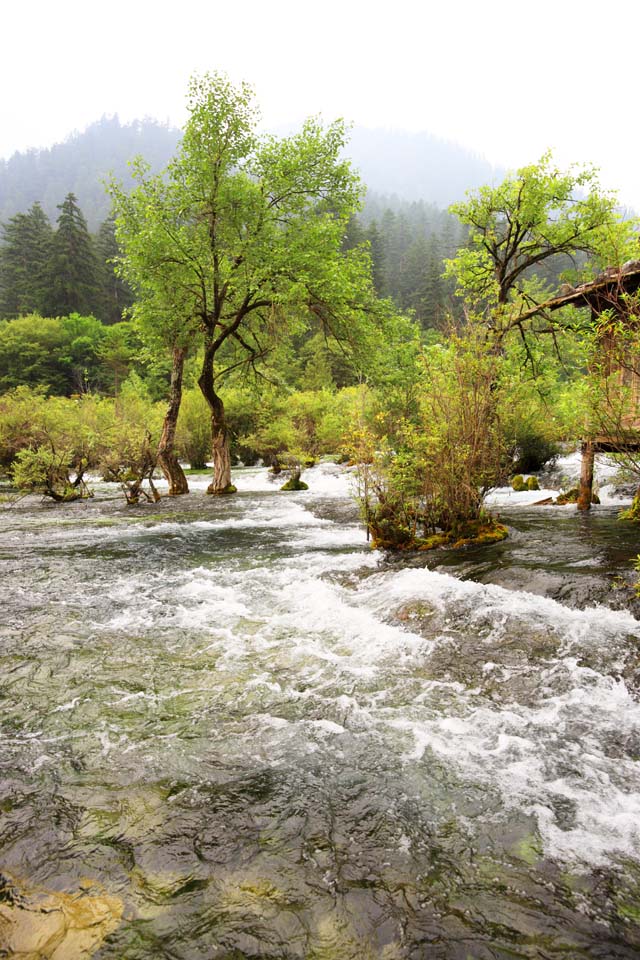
(249,230)
(31,350)
(149,228)
(62,354)
(129,449)
(533,216)
(117,352)
(53,441)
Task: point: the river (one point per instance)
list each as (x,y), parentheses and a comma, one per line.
(259,738)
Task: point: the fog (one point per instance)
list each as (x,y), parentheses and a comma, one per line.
(506,80)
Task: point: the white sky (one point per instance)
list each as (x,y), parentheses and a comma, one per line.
(508,79)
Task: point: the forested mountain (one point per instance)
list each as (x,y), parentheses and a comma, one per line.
(409,241)
(410,166)
(80,165)
(410,178)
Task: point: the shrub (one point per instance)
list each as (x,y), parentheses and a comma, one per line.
(436,480)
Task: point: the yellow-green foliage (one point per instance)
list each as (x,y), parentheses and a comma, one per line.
(193,433)
(29,419)
(633,512)
(303,425)
(49,443)
(432,479)
(129,447)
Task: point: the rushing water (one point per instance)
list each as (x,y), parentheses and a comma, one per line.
(267,741)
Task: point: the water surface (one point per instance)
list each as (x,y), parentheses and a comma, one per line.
(268,741)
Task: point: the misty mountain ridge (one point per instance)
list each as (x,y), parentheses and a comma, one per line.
(396,164)
(418,166)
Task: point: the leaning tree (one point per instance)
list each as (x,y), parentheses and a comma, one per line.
(239,243)
(536,216)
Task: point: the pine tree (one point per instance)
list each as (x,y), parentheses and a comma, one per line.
(377,251)
(115,295)
(413,280)
(24,264)
(75,284)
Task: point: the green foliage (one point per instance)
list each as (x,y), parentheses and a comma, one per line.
(25,271)
(544,379)
(74,266)
(129,453)
(408,243)
(31,352)
(633,512)
(55,473)
(47,444)
(20,411)
(193,434)
(52,442)
(295,483)
(64,355)
(117,353)
(533,215)
(534,450)
(434,480)
(302,426)
(56,273)
(114,294)
(243,234)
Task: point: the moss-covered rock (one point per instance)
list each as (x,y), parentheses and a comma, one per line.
(532,483)
(471,533)
(230,488)
(517,483)
(294,483)
(572,495)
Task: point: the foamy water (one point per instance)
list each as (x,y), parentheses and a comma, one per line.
(239,692)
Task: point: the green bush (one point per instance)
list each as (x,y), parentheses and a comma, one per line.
(533,451)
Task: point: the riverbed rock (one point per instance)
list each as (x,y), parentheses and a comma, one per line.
(40,924)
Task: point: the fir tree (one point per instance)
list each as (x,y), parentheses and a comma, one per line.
(24,264)
(377,251)
(75,284)
(115,295)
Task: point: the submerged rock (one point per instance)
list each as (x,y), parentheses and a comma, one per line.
(39,924)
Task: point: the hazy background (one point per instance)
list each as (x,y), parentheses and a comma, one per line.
(505,79)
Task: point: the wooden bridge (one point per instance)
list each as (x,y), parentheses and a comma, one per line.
(608,296)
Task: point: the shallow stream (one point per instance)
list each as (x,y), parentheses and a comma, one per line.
(265,740)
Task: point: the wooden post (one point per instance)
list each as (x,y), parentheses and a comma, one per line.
(586,476)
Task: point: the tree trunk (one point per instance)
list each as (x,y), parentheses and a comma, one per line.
(166,457)
(220,453)
(586,477)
